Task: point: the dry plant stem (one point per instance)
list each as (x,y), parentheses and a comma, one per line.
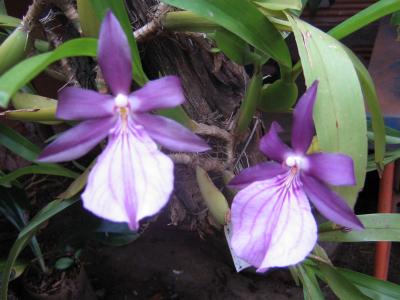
(152,28)
(219,133)
(32,15)
(69,11)
(193,160)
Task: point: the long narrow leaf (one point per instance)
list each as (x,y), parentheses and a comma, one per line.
(378,227)
(25,235)
(25,71)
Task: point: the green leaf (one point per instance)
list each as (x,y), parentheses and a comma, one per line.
(364,17)
(46,169)
(233,46)
(339,112)
(243,19)
(25,71)
(64,263)
(311,289)
(25,235)
(342,288)
(374,288)
(371,99)
(17,270)
(17,143)
(119,10)
(378,227)
(9,22)
(3,10)
(249,103)
(279,96)
(280,4)
(178,114)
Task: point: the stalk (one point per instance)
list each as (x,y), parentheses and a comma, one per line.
(89,21)
(14,48)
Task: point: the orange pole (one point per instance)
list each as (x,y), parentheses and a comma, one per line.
(385,204)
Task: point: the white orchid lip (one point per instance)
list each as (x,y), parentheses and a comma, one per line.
(121,100)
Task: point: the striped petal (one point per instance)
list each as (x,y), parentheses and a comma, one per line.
(272,223)
(258,172)
(77,141)
(131,180)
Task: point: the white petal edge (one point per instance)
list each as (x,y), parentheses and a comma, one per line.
(131,180)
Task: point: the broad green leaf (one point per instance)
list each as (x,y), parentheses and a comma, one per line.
(14,48)
(25,235)
(280,4)
(311,289)
(25,71)
(378,227)
(364,17)
(249,103)
(243,19)
(339,112)
(46,169)
(119,10)
(374,288)
(279,96)
(17,143)
(371,99)
(233,46)
(188,21)
(339,284)
(8,21)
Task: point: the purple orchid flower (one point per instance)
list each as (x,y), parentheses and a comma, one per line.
(271,217)
(131,179)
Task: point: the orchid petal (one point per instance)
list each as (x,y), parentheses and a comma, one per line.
(114,55)
(171,134)
(272,146)
(331,168)
(329,204)
(131,180)
(77,141)
(258,172)
(77,104)
(272,224)
(303,125)
(165,92)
